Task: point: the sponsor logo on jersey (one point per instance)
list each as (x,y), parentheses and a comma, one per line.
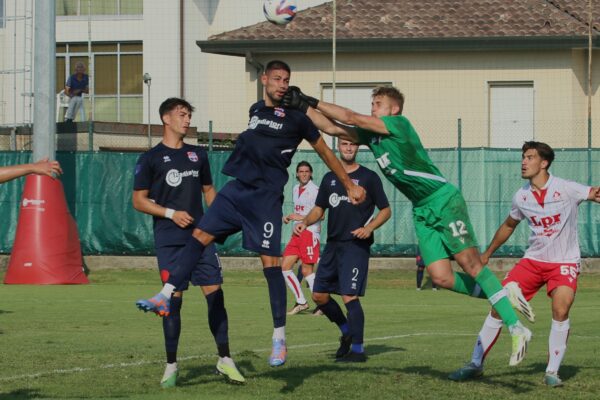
(376,140)
(166,159)
(255,121)
(192,156)
(138,168)
(355,181)
(266,244)
(548,223)
(335,199)
(299,208)
(333,182)
(174,177)
(279,112)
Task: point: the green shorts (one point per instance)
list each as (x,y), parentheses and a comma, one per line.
(442,225)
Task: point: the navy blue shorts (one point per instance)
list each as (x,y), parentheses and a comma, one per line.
(254,211)
(343,269)
(207,272)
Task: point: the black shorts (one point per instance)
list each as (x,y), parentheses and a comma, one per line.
(207,272)
(343,269)
(255,211)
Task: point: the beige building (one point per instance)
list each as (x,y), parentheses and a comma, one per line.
(494,72)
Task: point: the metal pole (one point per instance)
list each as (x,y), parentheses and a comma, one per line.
(333,60)
(460,154)
(149,125)
(13,135)
(589,115)
(44,124)
(91,71)
(210,135)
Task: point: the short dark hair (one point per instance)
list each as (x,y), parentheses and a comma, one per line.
(304,164)
(172,103)
(277,64)
(391,92)
(545,151)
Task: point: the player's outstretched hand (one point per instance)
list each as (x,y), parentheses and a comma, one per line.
(299,228)
(357,194)
(294,98)
(182,219)
(46,167)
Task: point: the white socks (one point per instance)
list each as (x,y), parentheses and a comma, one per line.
(292,282)
(311,281)
(279,333)
(557,344)
(486,339)
(167,290)
(169,370)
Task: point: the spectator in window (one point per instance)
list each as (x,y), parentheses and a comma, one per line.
(76,85)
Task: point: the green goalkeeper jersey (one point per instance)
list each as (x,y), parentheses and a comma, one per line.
(403,159)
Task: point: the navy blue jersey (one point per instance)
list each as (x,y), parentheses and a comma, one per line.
(174,179)
(344,217)
(264,151)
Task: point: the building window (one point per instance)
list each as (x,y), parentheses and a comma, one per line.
(115,74)
(511,113)
(99,7)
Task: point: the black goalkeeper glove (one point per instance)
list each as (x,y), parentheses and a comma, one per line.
(294,98)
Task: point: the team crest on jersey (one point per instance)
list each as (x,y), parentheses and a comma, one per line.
(556,195)
(192,156)
(279,112)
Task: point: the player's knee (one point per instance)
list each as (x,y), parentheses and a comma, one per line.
(560,313)
(320,298)
(442,281)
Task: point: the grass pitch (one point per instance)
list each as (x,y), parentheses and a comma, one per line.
(89,341)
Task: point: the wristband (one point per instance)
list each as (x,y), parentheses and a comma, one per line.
(169,212)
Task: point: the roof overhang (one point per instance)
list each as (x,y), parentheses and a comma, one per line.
(240,48)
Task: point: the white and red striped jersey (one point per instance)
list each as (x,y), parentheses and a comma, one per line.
(552,218)
(304,201)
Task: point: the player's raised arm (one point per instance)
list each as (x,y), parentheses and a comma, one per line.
(350,117)
(332,128)
(357,194)
(294,98)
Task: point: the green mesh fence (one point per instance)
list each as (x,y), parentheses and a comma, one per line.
(98,191)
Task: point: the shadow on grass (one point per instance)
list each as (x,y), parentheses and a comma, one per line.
(21,394)
(208,373)
(294,377)
(6,312)
(520,380)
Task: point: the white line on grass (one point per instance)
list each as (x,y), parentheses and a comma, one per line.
(298,346)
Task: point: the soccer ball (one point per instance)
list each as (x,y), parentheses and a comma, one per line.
(280,12)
